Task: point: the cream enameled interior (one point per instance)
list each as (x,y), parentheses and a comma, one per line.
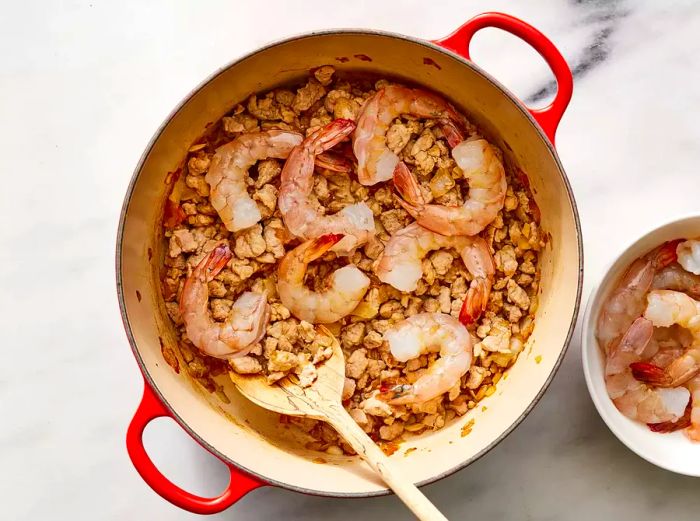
(253,438)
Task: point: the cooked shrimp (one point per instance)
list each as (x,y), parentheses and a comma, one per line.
(401,264)
(689,256)
(626,302)
(346,288)
(665,308)
(633,398)
(676,278)
(245,324)
(229,170)
(375,162)
(428,333)
(355,221)
(693,431)
(484,172)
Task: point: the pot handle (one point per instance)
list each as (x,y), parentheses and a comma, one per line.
(149,409)
(547,117)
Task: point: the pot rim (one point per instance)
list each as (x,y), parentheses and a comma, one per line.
(147,150)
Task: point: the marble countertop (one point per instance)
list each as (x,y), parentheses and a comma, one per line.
(83,85)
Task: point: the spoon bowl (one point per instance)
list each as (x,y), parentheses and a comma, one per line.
(288,397)
(322,400)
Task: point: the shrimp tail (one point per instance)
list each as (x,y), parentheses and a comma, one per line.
(217,260)
(475,302)
(332,134)
(407,185)
(321,245)
(334,162)
(413,210)
(650,374)
(667,254)
(409,193)
(671,426)
(452,133)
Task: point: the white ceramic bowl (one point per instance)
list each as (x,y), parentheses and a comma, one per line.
(673,451)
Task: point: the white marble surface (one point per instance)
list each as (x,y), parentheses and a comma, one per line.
(83,85)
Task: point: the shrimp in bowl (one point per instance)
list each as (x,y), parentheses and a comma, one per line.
(376,162)
(649,330)
(666,308)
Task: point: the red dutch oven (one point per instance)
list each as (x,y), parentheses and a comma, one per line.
(258,449)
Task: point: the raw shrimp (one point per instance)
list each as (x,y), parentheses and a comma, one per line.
(229,170)
(633,398)
(626,302)
(667,344)
(245,324)
(676,278)
(401,264)
(355,221)
(347,285)
(693,431)
(483,170)
(665,308)
(690,419)
(671,426)
(689,256)
(375,162)
(428,333)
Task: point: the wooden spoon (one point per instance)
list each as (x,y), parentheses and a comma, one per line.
(322,401)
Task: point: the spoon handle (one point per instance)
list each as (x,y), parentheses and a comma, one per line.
(373,455)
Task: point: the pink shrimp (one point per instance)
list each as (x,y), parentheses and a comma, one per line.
(693,431)
(666,308)
(689,255)
(626,302)
(425,333)
(229,170)
(667,344)
(633,398)
(375,162)
(690,421)
(483,170)
(347,285)
(355,222)
(401,264)
(334,162)
(242,329)
(674,277)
